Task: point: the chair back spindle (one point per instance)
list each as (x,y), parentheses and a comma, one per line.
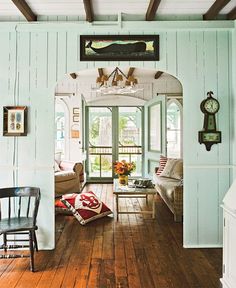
(19,207)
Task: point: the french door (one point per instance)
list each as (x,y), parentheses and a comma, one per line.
(113,133)
(155,133)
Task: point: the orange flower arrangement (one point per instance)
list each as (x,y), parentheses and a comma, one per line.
(123,167)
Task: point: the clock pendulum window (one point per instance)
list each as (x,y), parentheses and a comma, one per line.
(209,135)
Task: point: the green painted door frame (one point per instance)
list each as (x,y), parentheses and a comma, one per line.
(154,132)
(115,141)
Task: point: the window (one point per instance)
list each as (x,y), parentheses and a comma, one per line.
(174,129)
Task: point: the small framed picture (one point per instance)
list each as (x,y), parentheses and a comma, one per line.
(75,110)
(75,118)
(15,120)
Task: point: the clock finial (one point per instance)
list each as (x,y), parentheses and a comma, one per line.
(210,93)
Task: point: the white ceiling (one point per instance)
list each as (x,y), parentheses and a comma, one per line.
(111,7)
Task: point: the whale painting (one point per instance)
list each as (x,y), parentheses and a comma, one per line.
(119,47)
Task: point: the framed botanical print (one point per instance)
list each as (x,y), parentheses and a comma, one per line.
(15,120)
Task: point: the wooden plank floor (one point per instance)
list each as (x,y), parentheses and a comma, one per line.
(136,251)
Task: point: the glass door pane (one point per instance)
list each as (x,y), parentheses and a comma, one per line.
(100,142)
(173,131)
(130,137)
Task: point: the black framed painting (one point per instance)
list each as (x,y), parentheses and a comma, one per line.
(119,47)
(15,120)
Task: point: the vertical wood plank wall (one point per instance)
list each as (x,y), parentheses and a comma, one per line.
(233,99)
(34,57)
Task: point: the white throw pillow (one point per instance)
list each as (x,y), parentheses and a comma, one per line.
(173,169)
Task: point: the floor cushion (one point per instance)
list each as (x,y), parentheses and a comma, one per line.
(85,206)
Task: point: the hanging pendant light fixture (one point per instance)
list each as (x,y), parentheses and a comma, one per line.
(116,83)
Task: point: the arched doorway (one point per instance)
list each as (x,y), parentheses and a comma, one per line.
(150,82)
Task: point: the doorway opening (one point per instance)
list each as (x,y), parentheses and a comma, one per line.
(141,127)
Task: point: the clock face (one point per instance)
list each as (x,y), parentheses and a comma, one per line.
(211,106)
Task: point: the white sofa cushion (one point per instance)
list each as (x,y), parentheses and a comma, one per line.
(166,185)
(173,169)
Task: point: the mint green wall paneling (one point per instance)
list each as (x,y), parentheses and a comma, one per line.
(52,60)
(23,63)
(4,67)
(210,83)
(44,125)
(191,208)
(196,66)
(234,97)
(33,61)
(183,53)
(208,205)
(161,64)
(223,186)
(232,81)
(52,18)
(210,61)
(192,98)
(4,99)
(186,75)
(12,73)
(42,102)
(72,52)
(7,81)
(41,95)
(171,60)
(24,98)
(61,51)
(62,18)
(9,77)
(223,116)
(197,91)
(42,65)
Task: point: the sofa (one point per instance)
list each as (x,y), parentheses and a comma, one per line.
(168,181)
(69,177)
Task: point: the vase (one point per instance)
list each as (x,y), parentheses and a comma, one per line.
(123,180)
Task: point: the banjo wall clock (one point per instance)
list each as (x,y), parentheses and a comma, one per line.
(209,135)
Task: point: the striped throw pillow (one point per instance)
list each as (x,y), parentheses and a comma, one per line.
(162,164)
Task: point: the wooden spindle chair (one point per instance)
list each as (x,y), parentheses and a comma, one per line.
(18,214)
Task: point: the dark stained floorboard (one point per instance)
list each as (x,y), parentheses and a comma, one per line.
(134,252)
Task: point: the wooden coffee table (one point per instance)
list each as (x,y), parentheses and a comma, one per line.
(134,192)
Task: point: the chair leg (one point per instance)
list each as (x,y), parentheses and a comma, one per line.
(31,244)
(5,241)
(35,241)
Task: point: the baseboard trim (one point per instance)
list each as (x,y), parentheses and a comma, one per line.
(203,246)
